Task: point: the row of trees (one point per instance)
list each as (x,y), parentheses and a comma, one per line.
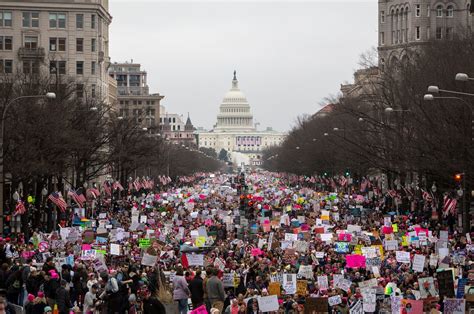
(388,126)
(72,140)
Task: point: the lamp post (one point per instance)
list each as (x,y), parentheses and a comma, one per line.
(468,138)
(2,148)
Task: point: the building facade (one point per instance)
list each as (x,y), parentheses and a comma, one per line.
(133,96)
(68,38)
(235,130)
(176,130)
(405,23)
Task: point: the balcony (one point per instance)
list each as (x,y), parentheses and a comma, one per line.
(35,54)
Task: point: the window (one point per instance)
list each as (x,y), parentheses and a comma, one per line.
(58,67)
(382,16)
(428,9)
(93,17)
(57,44)
(450,11)
(5,19)
(418,10)
(6,66)
(428,35)
(79,90)
(57,20)
(93,90)
(80,21)
(93,44)
(382,38)
(439,11)
(30,19)
(31,42)
(439,32)
(79,67)
(449,33)
(393,37)
(93,67)
(79,44)
(417,33)
(30,67)
(6,43)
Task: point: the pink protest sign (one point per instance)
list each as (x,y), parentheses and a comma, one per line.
(355,261)
(346,237)
(421,230)
(199,310)
(86,247)
(387,230)
(256,252)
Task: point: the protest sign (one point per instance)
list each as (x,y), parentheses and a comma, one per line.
(344,284)
(200,310)
(342,247)
(403,257)
(445,283)
(355,261)
(427,287)
(274,288)
(396,304)
(418,263)
(335,300)
(454,306)
(144,243)
(195,259)
(306,271)
(289,283)
(391,245)
(228,280)
(411,306)
(114,249)
(301,287)
(268,304)
(149,260)
(357,308)
(369,301)
(323,282)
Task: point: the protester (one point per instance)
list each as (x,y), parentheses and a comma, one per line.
(295,242)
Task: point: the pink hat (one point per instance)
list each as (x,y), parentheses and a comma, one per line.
(40,294)
(54,276)
(31,297)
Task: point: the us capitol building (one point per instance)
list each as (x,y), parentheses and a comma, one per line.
(235,130)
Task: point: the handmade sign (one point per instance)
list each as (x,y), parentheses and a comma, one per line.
(418,263)
(301,287)
(274,288)
(316,305)
(268,304)
(454,306)
(355,261)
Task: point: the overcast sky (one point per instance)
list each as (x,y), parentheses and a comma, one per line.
(288,55)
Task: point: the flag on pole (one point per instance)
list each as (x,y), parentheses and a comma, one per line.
(449,205)
(137,185)
(19,208)
(57,199)
(78,198)
(116,185)
(93,192)
(107,188)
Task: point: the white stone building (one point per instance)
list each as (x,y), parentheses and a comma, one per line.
(235,130)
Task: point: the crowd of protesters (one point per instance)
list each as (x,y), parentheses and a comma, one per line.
(260,243)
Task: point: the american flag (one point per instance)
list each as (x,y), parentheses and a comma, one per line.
(136,184)
(107,188)
(93,192)
(57,199)
(78,198)
(449,205)
(116,185)
(427,197)
(19,208)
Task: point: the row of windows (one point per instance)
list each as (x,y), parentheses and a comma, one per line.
(55,67)
(137,102)
(234,110)
(402,37)
(31,19)
(403,13)
(55,44)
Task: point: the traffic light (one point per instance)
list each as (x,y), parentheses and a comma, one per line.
(347,173)
(458,177)
(325,174)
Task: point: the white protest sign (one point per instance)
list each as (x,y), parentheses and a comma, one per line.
(228,280)
(323,282)
(368,283)
(114,249)
(149,260)
(344,284)
(268,304)
(357,308)
(289,283)
(418,263)
(454,306)
(433,260)
(391,245)
(195,259)
(291,237)
(306,271)
(335,300)
(370,301)
(403,257)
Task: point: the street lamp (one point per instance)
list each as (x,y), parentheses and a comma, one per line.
(436,90)
(120,118)
(48,95)
(326,134)
(463,77)
(390,109)
(297,147)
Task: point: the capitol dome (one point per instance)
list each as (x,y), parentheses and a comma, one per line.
(234,111)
